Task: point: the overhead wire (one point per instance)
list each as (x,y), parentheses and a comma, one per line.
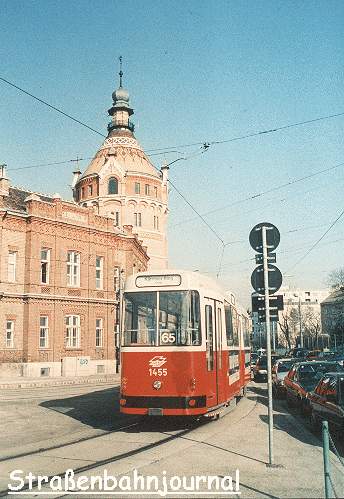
(262,193)
(51,106)
(318,241)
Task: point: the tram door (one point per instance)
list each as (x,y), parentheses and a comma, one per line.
(213,340)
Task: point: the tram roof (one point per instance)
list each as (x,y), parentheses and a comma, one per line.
(183,279)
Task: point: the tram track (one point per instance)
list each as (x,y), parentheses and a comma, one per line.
(184,433)
(103,462)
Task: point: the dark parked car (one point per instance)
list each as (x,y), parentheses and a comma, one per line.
(299,353)
(303,378)
(279,372)
(260,371)
(327,401)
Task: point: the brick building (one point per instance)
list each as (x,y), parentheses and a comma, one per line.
(60,267)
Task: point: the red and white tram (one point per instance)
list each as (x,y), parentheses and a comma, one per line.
(185,345)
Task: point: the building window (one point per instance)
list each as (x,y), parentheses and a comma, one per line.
(99,332)
(9,334)
(72,331)
(43,331)
(99,272)
(12,266)
(90,190)
(137,219)
(147,189)
(113,186)
(116,278)
(73,268)
(82,192)
(156,192)
(45,265)
(137,188)
(117,218)
(156,222)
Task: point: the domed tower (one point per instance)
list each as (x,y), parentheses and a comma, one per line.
(121,183)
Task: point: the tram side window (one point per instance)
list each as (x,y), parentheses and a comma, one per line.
(231,317)
(246,325)
(235,327)
(209,336)
(140,319)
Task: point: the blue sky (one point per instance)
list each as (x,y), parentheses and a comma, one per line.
(196,71)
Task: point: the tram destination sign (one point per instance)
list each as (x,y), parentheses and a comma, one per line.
(274,279)
(147,281)
(272,237)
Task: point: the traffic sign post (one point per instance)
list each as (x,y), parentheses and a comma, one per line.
(268,343)
(266,279)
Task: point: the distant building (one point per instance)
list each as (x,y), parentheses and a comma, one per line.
(332,316)
(304,303)
(122,184)
(60,267)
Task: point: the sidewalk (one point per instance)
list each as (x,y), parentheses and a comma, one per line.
(15,383)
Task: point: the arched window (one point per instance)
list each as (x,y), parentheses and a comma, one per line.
(113,186)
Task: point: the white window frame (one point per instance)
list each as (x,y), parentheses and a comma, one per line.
(9,340)
(45,261)
(72,331)
(137,219)
(156,222)
(99,272)
(137,188)
(43,331)
(12,266)
(73,269)
(99,332)
(147,189)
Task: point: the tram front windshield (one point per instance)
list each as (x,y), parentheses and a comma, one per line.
(162,318)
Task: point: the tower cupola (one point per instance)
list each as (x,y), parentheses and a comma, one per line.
(120,110)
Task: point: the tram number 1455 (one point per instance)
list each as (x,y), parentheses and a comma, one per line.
(158,372)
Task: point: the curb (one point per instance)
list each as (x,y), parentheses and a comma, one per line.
(60,382)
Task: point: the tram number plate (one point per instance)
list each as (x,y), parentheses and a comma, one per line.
(155,411)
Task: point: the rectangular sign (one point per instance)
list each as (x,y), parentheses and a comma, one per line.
(147,281)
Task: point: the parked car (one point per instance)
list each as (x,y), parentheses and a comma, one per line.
(313,354)
(260,371)
(303,378)
(299,353)
(327,402)
(279,372)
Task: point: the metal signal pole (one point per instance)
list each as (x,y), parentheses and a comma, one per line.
(268,343)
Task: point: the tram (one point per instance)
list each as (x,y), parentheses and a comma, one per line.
(185,345)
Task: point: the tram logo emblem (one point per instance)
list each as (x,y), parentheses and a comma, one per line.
(157,361)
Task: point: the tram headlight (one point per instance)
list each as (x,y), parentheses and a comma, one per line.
(157,385)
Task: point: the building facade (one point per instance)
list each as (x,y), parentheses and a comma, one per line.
(122,184)
(332,317)
(301,314)
(60,270)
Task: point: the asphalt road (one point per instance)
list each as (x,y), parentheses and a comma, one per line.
(50,430)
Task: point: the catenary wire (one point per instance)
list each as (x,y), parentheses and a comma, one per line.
(166,149)
(318,241)
(262,193)
(52,107)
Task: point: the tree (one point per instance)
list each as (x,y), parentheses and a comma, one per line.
(288,320)
(311,321)
(335,279)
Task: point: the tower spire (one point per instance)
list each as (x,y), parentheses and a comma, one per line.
(120,71)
